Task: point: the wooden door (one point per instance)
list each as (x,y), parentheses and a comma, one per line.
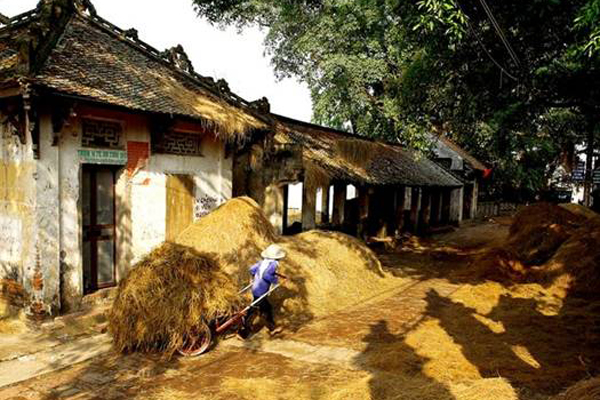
(180,204)
(98,213)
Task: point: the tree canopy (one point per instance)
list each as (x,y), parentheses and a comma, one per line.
(515,82)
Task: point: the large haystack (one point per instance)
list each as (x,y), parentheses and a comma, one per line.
(576,264)
(166,296)
(548,244)
(328,271)
(538,230)
(585,390)
(234,235)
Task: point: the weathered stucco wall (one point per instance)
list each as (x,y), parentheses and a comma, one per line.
(212,175)
(40,205)
(17,208)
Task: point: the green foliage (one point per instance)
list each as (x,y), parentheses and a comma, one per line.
(396,69)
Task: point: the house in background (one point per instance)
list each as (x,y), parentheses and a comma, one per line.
(397,190)
(464,166)
(107,148)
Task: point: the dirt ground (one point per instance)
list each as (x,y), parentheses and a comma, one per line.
(441,334)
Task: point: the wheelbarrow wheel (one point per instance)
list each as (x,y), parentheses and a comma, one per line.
(197,343)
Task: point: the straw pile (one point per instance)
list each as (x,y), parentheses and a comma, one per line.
(328,271)
(538,230)
(166,296)
(548,244)
(584,390)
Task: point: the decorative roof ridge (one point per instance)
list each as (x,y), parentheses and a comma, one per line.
(20,19)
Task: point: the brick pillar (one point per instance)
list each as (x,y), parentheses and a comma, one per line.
(364,194)
(309,207)
(339,202)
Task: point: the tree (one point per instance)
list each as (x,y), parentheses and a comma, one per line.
(496,76)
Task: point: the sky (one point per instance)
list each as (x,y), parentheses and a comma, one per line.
(237,58)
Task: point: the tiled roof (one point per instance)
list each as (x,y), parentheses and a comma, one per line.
(386,164)
(466,156)
(95,60)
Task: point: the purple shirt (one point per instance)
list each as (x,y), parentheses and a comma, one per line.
(264,274)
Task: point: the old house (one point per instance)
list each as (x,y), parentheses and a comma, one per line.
(107,148)
(467,168)
(397,190)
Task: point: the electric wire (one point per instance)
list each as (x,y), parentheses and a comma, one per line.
(499,31)
(485,50)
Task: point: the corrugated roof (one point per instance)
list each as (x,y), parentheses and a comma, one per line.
(385,164)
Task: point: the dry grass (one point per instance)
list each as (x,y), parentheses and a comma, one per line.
(166,296)
(327,270)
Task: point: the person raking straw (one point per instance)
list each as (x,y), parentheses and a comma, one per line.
(264,274)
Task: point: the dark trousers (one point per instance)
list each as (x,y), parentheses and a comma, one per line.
(266,311)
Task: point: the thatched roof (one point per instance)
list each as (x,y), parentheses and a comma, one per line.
(352,159)
(100,62)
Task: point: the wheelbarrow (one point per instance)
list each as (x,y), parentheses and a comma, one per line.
(201,340)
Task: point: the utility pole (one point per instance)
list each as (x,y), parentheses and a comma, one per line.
(589,160)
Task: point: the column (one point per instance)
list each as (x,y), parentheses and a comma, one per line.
(286,206)
(400,205)
(309,207)
(339,201)
(424,223)
(456,205)
(325,205)
(274,206)
(445,206)
(415,201)
(364,194)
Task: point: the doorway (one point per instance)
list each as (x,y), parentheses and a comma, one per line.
(180,204)
(98,220)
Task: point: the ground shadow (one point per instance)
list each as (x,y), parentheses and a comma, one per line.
(537,353)
(396,371)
